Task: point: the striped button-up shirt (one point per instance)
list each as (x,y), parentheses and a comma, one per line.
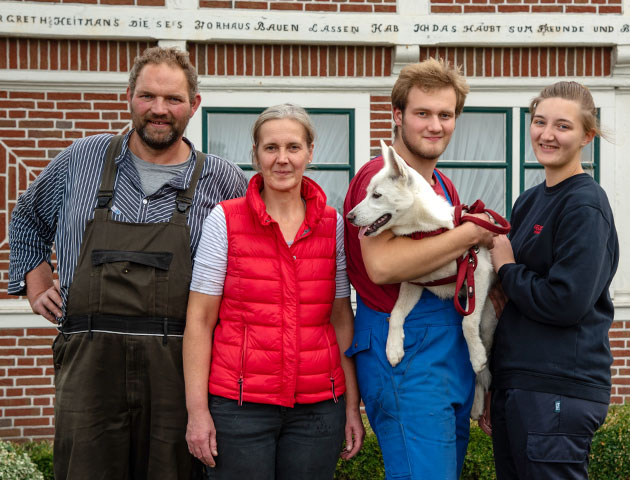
(58,204)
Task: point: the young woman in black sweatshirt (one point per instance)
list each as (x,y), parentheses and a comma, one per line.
(551,357)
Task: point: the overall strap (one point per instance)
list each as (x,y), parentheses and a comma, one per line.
(106,189)
(439,177)
(184,198)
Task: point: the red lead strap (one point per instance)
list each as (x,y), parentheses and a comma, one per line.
(503,227)
(466,265)
(466,271)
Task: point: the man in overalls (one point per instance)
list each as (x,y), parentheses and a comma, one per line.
(419,409)
(125,216)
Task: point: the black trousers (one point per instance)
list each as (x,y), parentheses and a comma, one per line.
(543,436)
(268,442)
(120,411)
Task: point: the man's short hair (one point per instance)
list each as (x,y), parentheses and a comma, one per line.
(171,56)
(429,75)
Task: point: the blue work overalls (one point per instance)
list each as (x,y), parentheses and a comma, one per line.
(419,409)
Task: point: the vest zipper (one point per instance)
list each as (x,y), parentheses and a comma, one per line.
(332,376)
(242,372)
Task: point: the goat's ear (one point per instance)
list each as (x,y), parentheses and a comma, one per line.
(395,165)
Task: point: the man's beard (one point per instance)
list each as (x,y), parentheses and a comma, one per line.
(157,142)
(418,151)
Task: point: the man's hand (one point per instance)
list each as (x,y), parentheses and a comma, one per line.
(43,293)
(485,236)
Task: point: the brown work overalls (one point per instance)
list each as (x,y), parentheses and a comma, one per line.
(120,409)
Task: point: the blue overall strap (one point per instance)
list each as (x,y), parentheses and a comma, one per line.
(439,177)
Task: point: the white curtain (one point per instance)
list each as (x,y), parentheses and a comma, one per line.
(479,137)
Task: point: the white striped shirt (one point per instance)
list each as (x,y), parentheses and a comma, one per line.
(58,204)
(211,259)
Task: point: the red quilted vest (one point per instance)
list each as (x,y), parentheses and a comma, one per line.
(274,342)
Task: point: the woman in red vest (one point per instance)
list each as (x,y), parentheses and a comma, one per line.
(268,317)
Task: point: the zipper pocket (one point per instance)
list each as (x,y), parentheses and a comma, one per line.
(242,372)
(330,358)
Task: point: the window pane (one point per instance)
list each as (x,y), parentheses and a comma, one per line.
(533,176)
(332,135)
(480,183)
(587,152)
(590,170)
(334,183)
(478,137)
(229,136)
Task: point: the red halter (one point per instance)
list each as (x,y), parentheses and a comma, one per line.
(467,264)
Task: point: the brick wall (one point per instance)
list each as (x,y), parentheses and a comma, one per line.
(26,383)
(354,6)
(69,55)
(380,122)
(527,62)
(220,59)
(620,345)
(527,6)
(291,60)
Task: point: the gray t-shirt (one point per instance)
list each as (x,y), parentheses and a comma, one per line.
(154,176)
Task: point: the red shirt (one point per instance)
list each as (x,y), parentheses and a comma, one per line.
(378,297)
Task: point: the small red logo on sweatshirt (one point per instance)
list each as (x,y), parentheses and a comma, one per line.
(537,229)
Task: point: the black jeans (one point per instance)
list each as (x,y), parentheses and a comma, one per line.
(543,436)
(267,442)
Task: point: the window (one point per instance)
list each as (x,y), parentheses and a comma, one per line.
(227,133)
(478,158)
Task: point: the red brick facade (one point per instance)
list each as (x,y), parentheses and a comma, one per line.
(620,345)
(69,55)
(26,383)
(527,62)
(527,6)
(345,6)
(291,60)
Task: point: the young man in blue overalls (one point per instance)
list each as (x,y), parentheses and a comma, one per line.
(419,409)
